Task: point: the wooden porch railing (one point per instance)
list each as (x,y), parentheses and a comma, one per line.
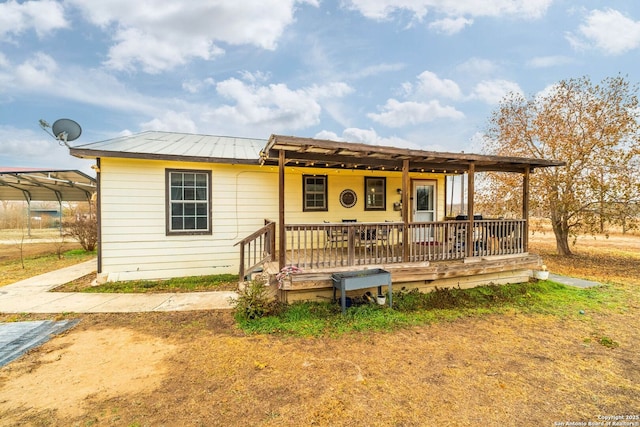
(327,245)
(256,249)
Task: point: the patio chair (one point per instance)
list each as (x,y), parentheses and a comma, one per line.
(335,236)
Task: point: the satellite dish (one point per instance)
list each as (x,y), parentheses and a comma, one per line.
(66,130)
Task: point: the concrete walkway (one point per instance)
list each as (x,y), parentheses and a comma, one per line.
(573,281)
(32,296)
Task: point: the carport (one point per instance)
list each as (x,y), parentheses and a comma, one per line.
(34,184)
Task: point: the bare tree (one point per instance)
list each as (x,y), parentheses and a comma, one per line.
(593,128)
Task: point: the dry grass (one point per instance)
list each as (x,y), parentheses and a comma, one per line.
(39,257)
(609,259)
(496,369)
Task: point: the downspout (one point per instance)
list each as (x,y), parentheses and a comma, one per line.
(98,213)
(281,235)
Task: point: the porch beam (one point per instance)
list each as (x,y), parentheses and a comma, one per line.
(337,160)
(525,208)
(406,185)
(470,197)
(282,256)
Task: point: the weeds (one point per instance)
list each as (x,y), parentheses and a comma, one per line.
(254,301)
(607,342)
(410,307)
(177,284)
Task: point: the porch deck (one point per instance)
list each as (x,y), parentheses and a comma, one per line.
(425,275)
(445,253)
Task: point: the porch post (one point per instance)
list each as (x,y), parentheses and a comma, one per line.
(406,184)
(282,256)
(525,208)
(470,196)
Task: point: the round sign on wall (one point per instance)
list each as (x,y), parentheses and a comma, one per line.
(348,198)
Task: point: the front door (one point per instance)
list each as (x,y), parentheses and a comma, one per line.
(424,208)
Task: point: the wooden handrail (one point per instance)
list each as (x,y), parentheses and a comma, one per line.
(256,249)
(329,245)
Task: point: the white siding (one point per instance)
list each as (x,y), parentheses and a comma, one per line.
(133,205)
(133,218)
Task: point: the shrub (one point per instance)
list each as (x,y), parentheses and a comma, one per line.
(255,301)
(85,231)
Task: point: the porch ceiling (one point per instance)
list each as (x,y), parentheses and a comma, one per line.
(309,152)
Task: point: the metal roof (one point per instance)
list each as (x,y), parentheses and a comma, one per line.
(325,153)
(45,185)
(175,146)
(303,152)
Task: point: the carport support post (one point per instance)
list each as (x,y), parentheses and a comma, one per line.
(29,218)
(27,197)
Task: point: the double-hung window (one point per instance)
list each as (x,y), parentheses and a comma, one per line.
(188,201)
(375,190)
(314,189)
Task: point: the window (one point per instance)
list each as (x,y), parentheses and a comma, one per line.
(314,192)
(375,190)
(188,202)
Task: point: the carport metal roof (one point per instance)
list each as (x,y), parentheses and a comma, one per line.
(32,184)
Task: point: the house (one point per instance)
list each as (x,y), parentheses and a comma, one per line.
(172,204)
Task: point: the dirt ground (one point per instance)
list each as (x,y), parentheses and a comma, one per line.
(12,250)
(197,368)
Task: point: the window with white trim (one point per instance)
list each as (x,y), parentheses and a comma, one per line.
(188,202)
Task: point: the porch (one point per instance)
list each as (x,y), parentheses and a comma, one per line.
(423,247)
(443,253)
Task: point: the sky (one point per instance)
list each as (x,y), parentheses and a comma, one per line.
(422,74)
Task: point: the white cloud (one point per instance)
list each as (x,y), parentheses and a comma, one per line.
(450,25)
(171,121)
(26,148)
(160,34)
(330,90)
(40,75)
(366,136)
(549,61)
(608,30)
(272,107)
(398,114)
(4,62)
(43,16)
(430,85)
(384,9)
(478,67)
(37,71)
(493,91)
(375,70)
(195,86)
(381,10)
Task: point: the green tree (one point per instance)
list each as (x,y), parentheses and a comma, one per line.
(594,129)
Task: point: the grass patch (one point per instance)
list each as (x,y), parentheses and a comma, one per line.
(414,308)
(179,284)
(12,271)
